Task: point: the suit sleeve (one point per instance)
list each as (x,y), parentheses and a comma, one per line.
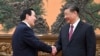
(34,42)
(58,43)
(90,41)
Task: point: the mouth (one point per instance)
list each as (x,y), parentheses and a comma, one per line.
(67,20)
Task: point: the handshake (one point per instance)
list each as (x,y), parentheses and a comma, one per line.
(54,51)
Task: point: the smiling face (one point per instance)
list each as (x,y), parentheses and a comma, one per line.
(70,16)
(31,18)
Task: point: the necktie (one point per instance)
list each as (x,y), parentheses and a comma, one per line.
(71,31)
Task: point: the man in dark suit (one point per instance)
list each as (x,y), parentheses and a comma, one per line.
(76,38)
(24,42)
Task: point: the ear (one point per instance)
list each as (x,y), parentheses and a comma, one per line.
(75,12)
(27,15)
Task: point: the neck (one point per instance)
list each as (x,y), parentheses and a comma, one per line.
(27,23)
(74,20)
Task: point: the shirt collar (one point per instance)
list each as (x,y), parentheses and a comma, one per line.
(75,24)
(27,24)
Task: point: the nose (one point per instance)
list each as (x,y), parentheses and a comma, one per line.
(65,16)
(35,18)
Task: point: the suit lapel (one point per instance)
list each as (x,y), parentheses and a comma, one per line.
(77,30)
(65,34)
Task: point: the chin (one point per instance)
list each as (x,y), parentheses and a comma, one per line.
(68,21)
(33,24)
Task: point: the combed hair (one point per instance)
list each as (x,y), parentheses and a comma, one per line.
(26,11)
(72,7)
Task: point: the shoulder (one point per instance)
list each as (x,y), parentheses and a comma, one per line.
(21,26)
(65,25)
(86,25)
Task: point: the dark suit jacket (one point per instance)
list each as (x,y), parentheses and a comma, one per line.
(82,43)
(25,43)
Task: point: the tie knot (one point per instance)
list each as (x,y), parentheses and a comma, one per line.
(71,26)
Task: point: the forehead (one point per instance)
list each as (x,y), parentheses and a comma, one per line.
(33,12)
(66,10)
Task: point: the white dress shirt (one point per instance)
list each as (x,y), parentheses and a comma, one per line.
(75,25)
(27,24)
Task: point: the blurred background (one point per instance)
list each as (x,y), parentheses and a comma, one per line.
(50,19)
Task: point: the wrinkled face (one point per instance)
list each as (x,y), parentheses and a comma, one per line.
(69,16)
(31,18)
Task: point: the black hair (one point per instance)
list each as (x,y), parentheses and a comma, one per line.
(72,7)
(26,11)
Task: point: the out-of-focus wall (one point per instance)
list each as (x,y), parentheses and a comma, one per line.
(52,9)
